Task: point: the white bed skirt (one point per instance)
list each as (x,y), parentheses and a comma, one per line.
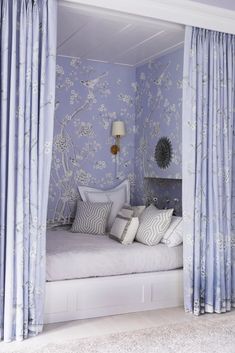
(102,296)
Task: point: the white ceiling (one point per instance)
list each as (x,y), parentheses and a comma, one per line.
(108,37)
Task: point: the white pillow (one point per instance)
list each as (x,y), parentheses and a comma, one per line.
(125,226)
(174,234)
(153,225)
(118,196)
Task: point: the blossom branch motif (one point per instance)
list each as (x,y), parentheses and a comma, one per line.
(86,90)
(64,145)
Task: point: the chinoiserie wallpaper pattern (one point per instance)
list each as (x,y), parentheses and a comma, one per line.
(89,96)
(158,114)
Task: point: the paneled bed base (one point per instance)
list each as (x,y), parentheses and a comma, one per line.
(102,296)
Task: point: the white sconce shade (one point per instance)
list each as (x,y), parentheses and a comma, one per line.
(118,128)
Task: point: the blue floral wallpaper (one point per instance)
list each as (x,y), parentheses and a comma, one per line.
(158,114)
(89,96)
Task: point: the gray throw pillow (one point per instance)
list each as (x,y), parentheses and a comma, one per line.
(153,225)
(91,217)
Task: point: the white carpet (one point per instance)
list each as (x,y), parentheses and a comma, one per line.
(210,334)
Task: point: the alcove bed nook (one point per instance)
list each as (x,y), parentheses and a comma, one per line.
(113,67)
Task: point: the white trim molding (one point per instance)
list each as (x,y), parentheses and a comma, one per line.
(103,296)
(184,12)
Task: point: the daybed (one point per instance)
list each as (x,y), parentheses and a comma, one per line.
(91,275)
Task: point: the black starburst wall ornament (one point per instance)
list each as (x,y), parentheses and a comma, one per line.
(163,152)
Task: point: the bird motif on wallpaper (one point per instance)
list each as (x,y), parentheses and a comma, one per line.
(90,84)
(158,81)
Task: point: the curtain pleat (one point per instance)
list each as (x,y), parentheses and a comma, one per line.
(208,170)
(28,59)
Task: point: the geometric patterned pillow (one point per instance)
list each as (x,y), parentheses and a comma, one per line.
(118,195)
(91,217)
(153,225)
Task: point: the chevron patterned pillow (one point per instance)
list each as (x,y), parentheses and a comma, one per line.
(91,217)
(153,225)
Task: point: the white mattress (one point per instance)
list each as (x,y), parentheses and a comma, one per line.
(73,256)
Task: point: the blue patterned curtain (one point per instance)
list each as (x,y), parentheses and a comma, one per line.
(208,159)
(27,92)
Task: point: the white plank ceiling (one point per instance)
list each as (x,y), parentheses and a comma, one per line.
(114,38)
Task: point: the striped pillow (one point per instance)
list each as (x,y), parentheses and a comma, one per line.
(153,225)
(125,226)
(91,217)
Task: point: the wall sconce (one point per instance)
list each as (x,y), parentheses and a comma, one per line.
(118,130)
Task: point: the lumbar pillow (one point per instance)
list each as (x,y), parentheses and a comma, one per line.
(153,225)
(119,196)
(91,217)
(125,226)
(174,234)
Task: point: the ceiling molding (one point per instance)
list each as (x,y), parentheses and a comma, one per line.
(95,60)
(184,12)
(164,52)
